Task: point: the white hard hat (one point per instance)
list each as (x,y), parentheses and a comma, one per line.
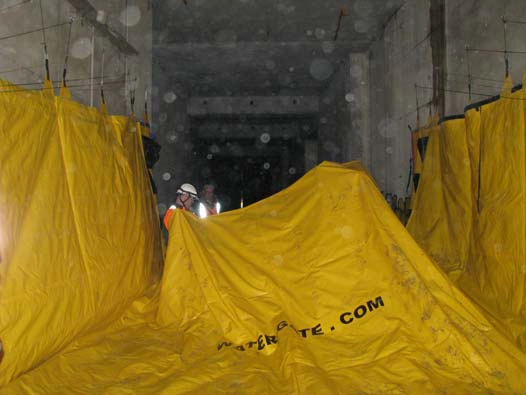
(188,189)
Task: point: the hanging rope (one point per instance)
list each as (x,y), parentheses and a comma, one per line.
(506,56)
(417,108)
(46,57)
(67,53)
(126,70)
(102,79)
(468,62)
(132,100)
(32,31)
(411,160)
(343,12)
(146,118)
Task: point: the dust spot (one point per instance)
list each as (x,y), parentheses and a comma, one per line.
(346,232)
(277,260)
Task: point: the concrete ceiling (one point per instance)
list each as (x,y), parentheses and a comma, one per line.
(255,47)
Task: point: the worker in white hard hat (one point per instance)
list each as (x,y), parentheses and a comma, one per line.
(186,195)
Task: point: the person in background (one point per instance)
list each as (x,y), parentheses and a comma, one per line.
(208,202)
(186,196)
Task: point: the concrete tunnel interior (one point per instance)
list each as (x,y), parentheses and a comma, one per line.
(267,91)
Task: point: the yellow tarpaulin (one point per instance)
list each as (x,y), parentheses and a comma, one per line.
(441,217)
(318,289)
(470,209)
(77,226)
(496,271)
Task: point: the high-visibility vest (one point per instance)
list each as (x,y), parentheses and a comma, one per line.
(206,210)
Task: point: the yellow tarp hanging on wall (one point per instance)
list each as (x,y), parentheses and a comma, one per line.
(496,271)
(77,239)
(317,289)
(441,216)
(470,212)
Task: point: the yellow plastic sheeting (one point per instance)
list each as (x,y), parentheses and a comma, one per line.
(496,273)
(472,119)
(441,216)
(484,211)
(79,237)
(317,289)
(328,257)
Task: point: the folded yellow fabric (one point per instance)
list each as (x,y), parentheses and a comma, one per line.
(318,289)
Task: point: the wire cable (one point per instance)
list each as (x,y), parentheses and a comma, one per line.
(45,42)
(87,85)
(40,29)
(67,53)
(478,94)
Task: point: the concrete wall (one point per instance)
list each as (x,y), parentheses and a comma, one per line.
(172,128)
(409,53)
(359,141)
(21,55)
(181,120)
(400,59)
(478,24)
(334,130)
(253,105)
(344,130)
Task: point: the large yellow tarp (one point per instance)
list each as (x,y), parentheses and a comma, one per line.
(317,289)
(441,217)
(77,224)
(470,207)
(496,271)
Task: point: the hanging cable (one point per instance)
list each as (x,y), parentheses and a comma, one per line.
(46,57)
(146,118)
(451,91)
(468,63)
(64,72)
(126,71)
(417,108)
(506,56)
(132,100)
(92,64)
(411,160)
(10,7)
(32,31)
(102,79)
(343,12)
